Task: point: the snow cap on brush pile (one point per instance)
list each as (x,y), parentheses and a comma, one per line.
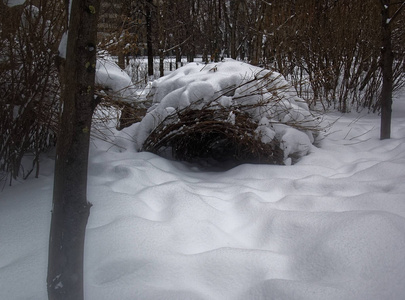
(112,79)
(265,95)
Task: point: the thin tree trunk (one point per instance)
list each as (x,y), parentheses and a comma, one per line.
(71,210)
(234,22)
(121,60)
(149,33)
(387,60)
(161,63)
(160,22)
(178,58)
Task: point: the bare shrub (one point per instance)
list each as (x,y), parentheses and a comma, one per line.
(29,85)
(331,51)
(207,136)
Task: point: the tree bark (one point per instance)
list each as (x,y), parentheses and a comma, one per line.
(71,210)
(387,60)
(149,34)
(234,24)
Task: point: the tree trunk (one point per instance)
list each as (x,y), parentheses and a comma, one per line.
(121,60)
(234,22)
(161,63)
(149,33)
(387,60)
(160,22)
(178,58)
(71,210)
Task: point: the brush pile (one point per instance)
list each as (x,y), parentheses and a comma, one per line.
(210,136)
(225,114)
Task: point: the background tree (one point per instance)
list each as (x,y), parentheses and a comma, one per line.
(117,30)
(330,50)
(389,12)
(70,207)
(149,15)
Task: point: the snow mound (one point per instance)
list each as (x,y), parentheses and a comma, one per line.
(235,89)
(110,77)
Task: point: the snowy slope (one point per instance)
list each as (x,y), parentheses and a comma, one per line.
(330,227)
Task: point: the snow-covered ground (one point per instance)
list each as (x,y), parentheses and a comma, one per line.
(331,226)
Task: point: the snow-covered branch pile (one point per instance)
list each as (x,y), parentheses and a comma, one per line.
(113,80)
(229,112)
(116,90)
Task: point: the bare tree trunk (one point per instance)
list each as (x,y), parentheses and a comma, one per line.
(149,34)
(121,60)
(161,12)
(387,60)
(161,63)
(234,22)
(258,41)
(71,210)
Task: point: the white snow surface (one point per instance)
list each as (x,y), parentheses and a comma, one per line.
(331,226)
(63,45)
(112,78)
(12,3)
(230,84)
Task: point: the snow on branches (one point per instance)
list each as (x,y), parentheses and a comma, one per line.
(228,112)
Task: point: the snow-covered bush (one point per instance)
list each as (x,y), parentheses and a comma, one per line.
(228,112)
